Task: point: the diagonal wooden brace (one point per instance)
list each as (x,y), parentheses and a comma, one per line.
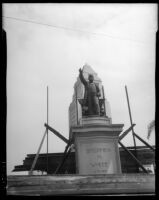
(56,133)
(126,132)
(135,159)
(65,155)
(144,142)
(37,155)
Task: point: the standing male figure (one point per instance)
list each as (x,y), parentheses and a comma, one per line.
(92,93)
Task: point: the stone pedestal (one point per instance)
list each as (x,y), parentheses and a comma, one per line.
(96,148)
(93,120)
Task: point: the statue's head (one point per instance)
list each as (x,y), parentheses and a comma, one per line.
(91,78)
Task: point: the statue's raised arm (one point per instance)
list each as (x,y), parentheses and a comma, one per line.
(82,77)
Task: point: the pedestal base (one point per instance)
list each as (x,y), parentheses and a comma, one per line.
(96,149)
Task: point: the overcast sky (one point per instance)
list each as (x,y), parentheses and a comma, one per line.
(122,53)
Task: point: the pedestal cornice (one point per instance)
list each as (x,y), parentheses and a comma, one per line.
(97,128)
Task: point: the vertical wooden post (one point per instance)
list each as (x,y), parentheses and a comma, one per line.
(76,104)
(137,169)
(104,100)
(47,128)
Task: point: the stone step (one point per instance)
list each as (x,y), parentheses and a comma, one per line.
(109,184)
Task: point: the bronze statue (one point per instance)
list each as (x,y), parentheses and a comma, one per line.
(92,94)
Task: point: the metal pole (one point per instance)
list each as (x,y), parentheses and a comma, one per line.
(47,128)
(131,123)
